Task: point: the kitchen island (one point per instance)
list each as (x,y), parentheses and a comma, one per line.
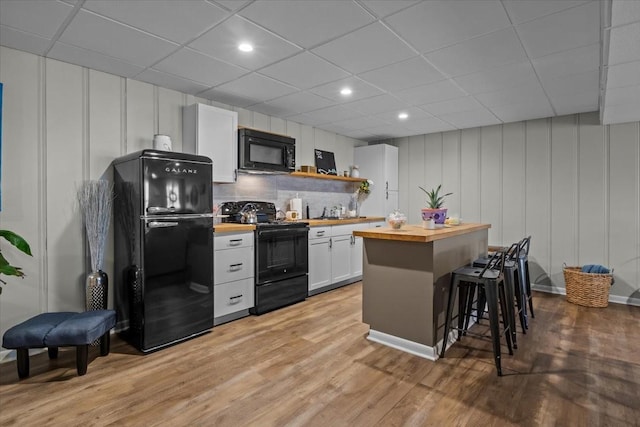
(406,279)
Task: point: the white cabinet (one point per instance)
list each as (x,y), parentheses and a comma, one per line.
(319,257)
(233,275)
(340,252)
(379,163)
(212,132)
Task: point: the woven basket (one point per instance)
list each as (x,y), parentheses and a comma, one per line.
(587,289)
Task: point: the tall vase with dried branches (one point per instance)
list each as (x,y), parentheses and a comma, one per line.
(95,199)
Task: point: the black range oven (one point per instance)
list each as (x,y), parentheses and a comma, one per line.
(281,257)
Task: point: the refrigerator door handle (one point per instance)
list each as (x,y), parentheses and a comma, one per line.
(160,210)
(162,224)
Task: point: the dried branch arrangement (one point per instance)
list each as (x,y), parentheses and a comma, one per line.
(96,199)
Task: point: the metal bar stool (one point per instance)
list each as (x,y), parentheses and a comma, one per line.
(513,289)
(523,267)
(490,281)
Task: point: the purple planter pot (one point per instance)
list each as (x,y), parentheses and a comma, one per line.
(438,215)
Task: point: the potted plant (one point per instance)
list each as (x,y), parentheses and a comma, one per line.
(434,207)
(22,245)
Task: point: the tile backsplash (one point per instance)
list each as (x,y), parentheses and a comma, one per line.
(279,189)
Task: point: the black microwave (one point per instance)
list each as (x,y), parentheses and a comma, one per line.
(263,151)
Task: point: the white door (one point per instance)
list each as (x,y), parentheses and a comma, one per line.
(319,263)
(340,258)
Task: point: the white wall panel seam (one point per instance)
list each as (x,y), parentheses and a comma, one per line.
(156,110)
(637,195)
(42,179)
(607,195)
(549,189)
(501,174)
(86,159)
(123,119)
(576,196)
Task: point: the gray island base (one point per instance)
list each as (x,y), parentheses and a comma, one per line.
(405,281)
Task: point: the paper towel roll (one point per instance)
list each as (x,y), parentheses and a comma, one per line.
(296,205)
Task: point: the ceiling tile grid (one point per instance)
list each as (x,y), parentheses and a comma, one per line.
(448,64)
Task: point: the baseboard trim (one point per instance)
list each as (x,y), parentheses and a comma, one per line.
(616,299)
(402,344)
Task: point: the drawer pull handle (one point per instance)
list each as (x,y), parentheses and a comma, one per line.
(235,242)
(236,299)
(235,267)
(319,233)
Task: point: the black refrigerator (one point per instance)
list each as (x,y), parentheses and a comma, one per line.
(163,284)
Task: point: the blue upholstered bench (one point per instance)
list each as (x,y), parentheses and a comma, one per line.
(63,329)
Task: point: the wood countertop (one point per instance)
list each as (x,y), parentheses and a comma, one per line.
(228,227)
(415,233)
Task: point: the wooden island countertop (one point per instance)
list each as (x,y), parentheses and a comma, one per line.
(405,281)
(416,233)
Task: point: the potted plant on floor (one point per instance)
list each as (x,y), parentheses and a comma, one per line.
(434,207)
(5,267)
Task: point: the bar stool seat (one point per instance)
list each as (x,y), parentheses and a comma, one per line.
(490,281)
(523,268)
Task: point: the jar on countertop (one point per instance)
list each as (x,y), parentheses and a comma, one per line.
(355,172)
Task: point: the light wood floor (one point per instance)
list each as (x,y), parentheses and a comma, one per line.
(310,365)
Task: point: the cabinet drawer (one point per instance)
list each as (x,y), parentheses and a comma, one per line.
(232,264)
(232,240)
(233,296)
(319,232)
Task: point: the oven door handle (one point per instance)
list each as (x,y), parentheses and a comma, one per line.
(283,233)
(161,224)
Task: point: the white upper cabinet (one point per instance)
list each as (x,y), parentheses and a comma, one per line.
(212,132)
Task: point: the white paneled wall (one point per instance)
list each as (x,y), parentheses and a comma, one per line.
(570,183)
(63,124)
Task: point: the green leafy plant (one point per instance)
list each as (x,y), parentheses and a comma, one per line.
(434,199)
(22,245)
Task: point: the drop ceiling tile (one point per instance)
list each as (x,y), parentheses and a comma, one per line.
(623,96)
(377,104)
(231,5)
(222,42)
(469,119)
(306,119)
(430,93)
(93,32)
(192,65)
(271,110)
(432,25)
(307,23)
(360,88)
(256,87)
(299,102)
(467,103)
(332,114)
(90,59)
(370,47)
(20,40)
(361,134)
(505,76)
(621,114)
(573,83)
(523,111)
(624,12)
(227,98)
(171,82)
(526,10)
(403,75)
(38,17)
(304,70)
(576,27)
(388,131)
(489,51)
(358,123)
(169,19)
(432,125)
(572,61)
(578,102)
(624,44)
(382,8)
(532,93)
(623,75)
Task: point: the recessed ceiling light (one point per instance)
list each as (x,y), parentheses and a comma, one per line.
(245,47)
(403,116)
(346,91)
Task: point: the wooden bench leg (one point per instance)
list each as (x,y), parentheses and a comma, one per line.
(82,357)
(53,352)
(22,357)
(105,343)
